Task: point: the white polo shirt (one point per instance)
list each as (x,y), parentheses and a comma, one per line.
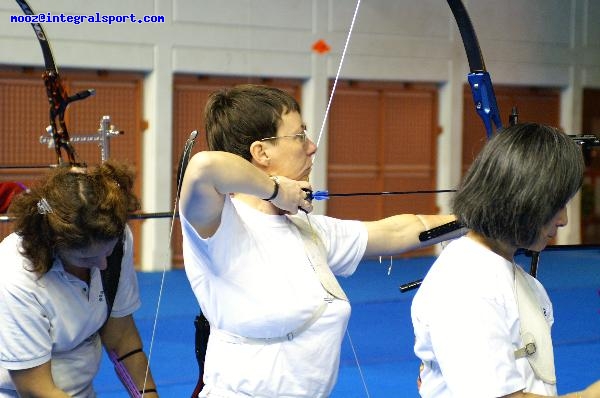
(466,322)
(253,279)
(56,317)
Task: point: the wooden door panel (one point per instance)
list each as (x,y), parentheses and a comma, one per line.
(382,137)
(24,119)
(540,105)
(355,207)
(354,124)
(590,198)
(408,127)
(393,129)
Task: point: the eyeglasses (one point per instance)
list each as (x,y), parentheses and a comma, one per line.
(302,136)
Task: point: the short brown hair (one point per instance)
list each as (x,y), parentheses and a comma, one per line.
(236,117)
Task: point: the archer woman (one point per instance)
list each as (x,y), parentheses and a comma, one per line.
(58,307)
(482,324)
(262,270)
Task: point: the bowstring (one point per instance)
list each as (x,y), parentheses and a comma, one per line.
(337,75)
(180,178)
(186,151)
(330,101)
(360,372)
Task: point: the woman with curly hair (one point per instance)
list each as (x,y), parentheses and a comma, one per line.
(57,309)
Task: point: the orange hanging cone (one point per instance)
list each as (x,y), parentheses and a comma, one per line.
(321,47)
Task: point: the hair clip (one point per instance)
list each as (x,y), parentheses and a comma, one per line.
(43,206)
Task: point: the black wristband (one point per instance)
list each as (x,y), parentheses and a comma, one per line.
(275,189)
(148,391)
(130,353)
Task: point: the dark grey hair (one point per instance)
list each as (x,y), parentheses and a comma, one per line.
(519,181)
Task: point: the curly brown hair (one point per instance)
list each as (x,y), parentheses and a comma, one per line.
(85,206)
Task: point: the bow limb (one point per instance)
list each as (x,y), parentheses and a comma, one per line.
(202,328)
(485,105)
(201,325)
(483,96)
(57,94)
(482,88)
(479,79)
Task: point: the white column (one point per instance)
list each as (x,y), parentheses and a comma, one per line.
(157,161)
(314,101)
(315,96)
(570,121)
(449,151)
(571,108)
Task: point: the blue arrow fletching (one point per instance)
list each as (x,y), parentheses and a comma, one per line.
(320,195)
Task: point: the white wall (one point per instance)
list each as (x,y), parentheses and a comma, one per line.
(553,43)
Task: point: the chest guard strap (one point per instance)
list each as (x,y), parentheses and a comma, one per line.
(535,331)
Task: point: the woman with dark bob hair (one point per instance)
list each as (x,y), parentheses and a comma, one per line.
(482,324)
(57,309)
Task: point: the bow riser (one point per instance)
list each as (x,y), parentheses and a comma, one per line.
(485,101)
(58,100)
(478,78)
(56,93)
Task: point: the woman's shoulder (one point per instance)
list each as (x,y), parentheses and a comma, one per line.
(10,252)
(14,270)
(331,223)
(468,267)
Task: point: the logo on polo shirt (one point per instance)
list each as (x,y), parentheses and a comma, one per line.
(101,296)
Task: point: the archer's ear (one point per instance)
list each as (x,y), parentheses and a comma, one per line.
(258,150)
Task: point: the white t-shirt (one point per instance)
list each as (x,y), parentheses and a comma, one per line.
(56,317)
(466,322)
(253,279)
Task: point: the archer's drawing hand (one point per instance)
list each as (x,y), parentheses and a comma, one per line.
(293,196)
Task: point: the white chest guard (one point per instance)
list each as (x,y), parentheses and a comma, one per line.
(535,331)
(317,255)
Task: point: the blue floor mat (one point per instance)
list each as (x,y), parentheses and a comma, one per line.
(380,327)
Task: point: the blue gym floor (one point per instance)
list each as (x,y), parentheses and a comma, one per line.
(380,327)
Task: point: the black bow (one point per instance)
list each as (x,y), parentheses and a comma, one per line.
(57,95)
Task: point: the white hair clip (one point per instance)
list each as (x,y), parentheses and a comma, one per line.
(43,206)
